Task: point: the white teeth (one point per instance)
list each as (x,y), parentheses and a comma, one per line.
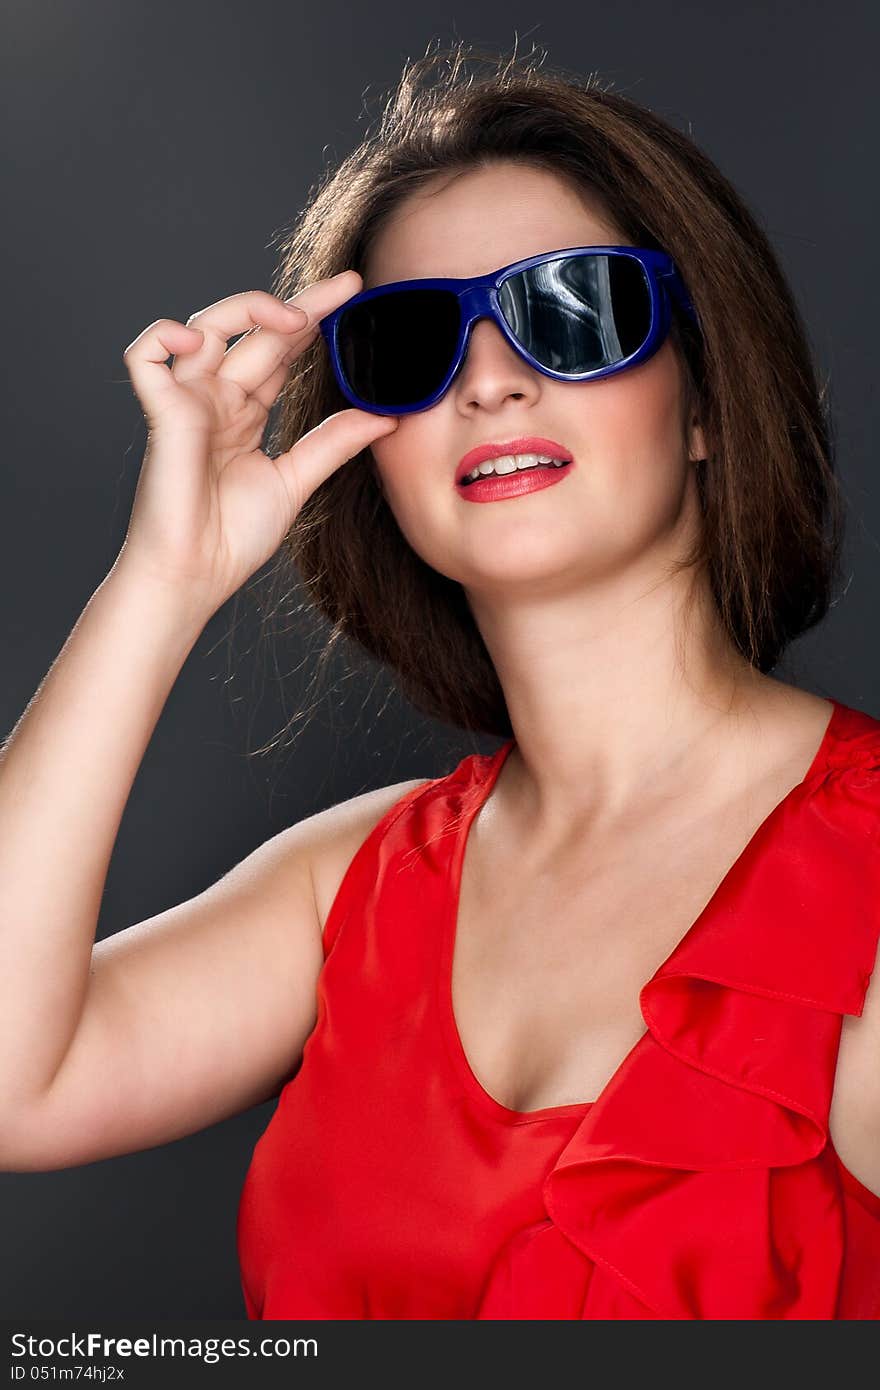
(510,463)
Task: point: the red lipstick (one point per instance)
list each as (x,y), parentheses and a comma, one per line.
(494,486)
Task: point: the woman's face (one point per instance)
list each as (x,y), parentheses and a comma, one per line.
(632,485)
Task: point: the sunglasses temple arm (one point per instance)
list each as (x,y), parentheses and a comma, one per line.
(675,283)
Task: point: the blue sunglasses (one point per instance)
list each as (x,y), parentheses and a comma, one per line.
(576,315)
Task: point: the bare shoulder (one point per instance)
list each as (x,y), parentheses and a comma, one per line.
(335,835)
(207,1005)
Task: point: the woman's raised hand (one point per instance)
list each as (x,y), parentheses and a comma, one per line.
(210,506)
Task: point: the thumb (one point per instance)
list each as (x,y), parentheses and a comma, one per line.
(332,442)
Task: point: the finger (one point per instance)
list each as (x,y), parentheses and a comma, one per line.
(145,360)
(322,450)
(238,313)
(252,360)
(268,392)
(252,311)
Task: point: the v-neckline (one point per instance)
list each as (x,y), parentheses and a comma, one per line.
(489,773)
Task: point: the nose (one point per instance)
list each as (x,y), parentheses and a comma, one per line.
(493,371)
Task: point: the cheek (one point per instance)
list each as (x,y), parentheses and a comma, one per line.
(408,479)
(405,466)
(643,404)
(633,425)
(636,470)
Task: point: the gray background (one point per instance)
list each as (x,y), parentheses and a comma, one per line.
(152,155)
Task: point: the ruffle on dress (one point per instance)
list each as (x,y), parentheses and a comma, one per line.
(702,1182)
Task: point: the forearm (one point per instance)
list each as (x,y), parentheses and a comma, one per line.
(66,773)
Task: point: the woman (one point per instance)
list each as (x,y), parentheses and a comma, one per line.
(580,1028)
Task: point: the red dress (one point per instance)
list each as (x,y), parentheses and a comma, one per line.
(702,1183)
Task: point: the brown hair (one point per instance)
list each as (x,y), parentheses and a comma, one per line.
(772,510)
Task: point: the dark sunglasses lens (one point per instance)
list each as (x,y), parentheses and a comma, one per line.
(396,348)
(579,313)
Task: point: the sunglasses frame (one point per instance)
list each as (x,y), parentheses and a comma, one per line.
(478,298)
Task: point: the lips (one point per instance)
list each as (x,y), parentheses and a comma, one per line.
(530,444)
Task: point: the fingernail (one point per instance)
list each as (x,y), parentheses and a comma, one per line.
(295,309)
